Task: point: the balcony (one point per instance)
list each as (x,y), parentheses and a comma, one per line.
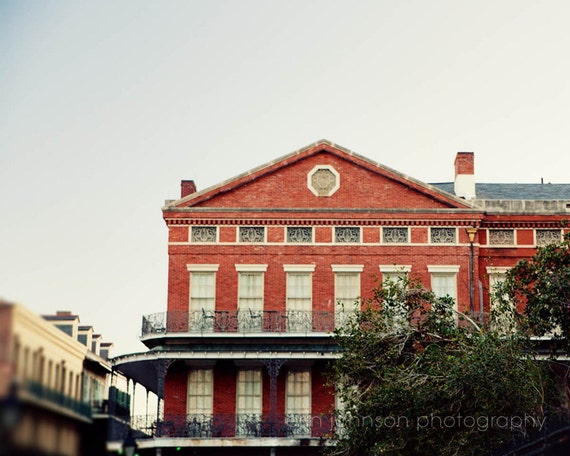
(223,426)
(37,391)
(267,322)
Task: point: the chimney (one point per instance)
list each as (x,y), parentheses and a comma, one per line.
(465,175)
(187,188)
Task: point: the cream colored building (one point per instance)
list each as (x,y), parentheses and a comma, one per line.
(45,368)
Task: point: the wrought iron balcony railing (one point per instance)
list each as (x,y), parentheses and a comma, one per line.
(240,321)
(42,392)
(196,426)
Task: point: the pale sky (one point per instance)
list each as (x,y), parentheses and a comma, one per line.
(106,105)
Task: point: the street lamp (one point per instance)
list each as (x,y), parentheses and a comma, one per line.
(471,232)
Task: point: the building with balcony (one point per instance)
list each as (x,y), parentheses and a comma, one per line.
(53,389)
(262,267)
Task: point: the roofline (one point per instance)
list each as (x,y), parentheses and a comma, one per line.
(170,205)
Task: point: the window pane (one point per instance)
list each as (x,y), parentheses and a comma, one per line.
(444,284)
(250,291)
(298,392)
(200,391)
(249,391)
(202,290)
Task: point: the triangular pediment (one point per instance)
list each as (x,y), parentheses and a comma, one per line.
(322,175)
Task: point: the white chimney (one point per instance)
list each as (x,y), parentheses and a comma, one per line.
(465,175)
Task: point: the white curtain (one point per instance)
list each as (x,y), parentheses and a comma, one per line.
(249,391)
(443,284)
(200,391)
(202,291)
(347,289)
(299,291)
(250,291)
(298,391)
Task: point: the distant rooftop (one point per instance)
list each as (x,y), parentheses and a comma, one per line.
(544,192)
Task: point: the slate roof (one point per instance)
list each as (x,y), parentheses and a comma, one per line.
(546,192)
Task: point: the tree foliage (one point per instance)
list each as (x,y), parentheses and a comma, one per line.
(537,292)
(417,378)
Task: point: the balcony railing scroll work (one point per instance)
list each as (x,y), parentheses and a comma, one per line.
(242,321)
(201,426)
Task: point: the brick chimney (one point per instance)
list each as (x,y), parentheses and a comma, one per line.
(465,175)
(187,188)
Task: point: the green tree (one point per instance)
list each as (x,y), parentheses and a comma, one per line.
(537,292)
(418,378)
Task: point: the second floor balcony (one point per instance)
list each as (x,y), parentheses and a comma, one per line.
(45,397)
(228,322)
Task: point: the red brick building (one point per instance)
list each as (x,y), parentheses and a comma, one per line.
(262,267)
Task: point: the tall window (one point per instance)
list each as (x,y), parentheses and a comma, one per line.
(250,296)
(444,280)
(200,392)
(248,402)
(298,402)
(394,272)
(496,276)
(299,296)
(200,402)
(347,290)
(202,296)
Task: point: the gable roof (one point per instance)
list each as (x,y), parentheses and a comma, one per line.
(442,196)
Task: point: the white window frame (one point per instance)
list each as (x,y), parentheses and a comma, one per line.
(394,271)
(496,275)
(395,227)
(359,228)
(311,241)
(201,317)
(250,317)
(216,237)
(264,240)
(299,416)
(201,384)
(248,417)
(333,189)
(299,308)
(455,236)
(451,270)
(344,309)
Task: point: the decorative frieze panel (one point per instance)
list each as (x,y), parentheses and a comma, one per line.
(203,234)
(299,234)
(251,234)
(395,235)
(443,235)
(347,234)
(501,237)
(545,237)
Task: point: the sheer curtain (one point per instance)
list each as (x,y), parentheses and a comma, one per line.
(202,291)
(250,291)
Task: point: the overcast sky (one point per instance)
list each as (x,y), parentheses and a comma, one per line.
(106,105)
